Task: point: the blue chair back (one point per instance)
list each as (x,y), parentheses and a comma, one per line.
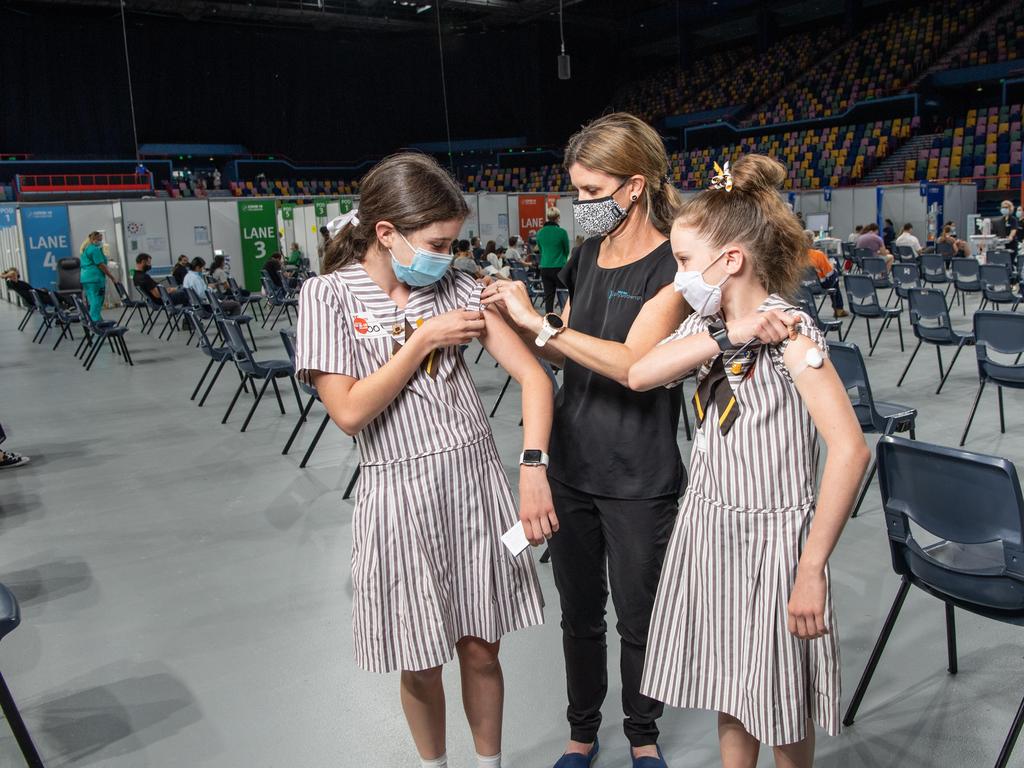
(905,277)
(995,278)
(1002,333)
(288,339)
(933,268)
(980,560)
(929,315)
(1004,258)
(966,273)
(848,361)
(860,290)
(239,348)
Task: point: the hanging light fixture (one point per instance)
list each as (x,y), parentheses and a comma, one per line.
(564,68)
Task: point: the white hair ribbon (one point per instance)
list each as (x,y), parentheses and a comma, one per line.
(338,223)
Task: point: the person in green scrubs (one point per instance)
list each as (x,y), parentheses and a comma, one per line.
(94,274)
(553,242)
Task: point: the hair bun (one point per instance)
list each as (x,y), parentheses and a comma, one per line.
(757,173)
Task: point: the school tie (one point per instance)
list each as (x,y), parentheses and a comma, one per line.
(716,386)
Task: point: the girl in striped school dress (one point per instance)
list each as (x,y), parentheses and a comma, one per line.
(380,335)
(743,622)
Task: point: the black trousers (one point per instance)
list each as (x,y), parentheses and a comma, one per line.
(549,277)
(602,542)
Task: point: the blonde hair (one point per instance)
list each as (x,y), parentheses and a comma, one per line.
(623,145)
(88,240)
(753,215)
(553,213)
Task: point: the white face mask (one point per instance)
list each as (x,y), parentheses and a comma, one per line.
(705,299)
(1006,210)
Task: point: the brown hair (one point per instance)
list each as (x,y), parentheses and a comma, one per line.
(754,215)
(409,190)
(623,145)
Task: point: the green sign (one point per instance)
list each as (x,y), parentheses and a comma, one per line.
(346,204)
(257,221)
(320,207)
(287,211)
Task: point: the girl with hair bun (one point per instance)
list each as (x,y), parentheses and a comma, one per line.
(616,474)
(380,336)
(743,623)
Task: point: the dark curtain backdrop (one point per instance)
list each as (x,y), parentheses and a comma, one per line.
(302,93)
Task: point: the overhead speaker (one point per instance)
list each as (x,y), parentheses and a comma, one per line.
(564,70)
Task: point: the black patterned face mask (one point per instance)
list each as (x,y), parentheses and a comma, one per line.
(596,218)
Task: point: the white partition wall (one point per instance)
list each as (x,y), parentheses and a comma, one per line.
(145,231)
(188,224)
(493,213)
(471,226)
(568,221)
(227,236)
(11,252)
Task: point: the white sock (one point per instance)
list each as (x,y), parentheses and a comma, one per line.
(441,762)
(488,762)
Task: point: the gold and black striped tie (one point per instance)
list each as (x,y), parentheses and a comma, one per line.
(716,386)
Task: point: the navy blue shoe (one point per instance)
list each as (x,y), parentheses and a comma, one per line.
(649,762)
(577,760)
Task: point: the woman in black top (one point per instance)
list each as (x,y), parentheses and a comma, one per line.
(615,470)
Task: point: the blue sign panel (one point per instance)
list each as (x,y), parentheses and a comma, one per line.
(47,240)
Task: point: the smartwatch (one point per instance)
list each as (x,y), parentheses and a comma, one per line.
(721,336)
(552,326)
(533,458)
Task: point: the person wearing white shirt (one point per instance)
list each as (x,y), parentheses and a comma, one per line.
(512,253)
(857,232)
(908,238)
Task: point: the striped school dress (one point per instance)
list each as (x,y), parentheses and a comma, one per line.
(428,565)
(719,638)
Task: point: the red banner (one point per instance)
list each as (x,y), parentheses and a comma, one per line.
(531,214)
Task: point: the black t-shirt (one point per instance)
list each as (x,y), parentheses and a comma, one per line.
(179,273)
(146,284)
(1006,225)
(273,267)
(608,440)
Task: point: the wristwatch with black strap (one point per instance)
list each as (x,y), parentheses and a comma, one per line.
(720,334)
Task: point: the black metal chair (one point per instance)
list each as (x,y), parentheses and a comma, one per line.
(64,319)
(874,416)
(977,564)
(933,271)
(863,301)
(905,277)
(876,268)
(997,287)
(805,300)
(929,318)
(10,618)
(277,298)
(269,371)
(966,279)
(131,307)
(220,355)
(173,312)
(810,282)
(97,333)
(1002,333)
(69,273)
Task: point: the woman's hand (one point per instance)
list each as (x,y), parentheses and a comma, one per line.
(771,327)
(451,329)
(536,509)
(807,604)
(511,295)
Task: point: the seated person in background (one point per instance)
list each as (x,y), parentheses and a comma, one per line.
(960,248)
(872,241)
(497,266)
(273,268)
(512,253)
(477,251)
(19,286)
(908,239)
(180,270)
(295,256)
(464,261)
(196,282)
(147,285)
(889,233)
(827,274)
(856,233)
(219,275)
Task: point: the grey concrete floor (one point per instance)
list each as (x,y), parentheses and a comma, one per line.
(186,594)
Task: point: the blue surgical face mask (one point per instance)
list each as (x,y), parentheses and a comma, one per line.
(426,267)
